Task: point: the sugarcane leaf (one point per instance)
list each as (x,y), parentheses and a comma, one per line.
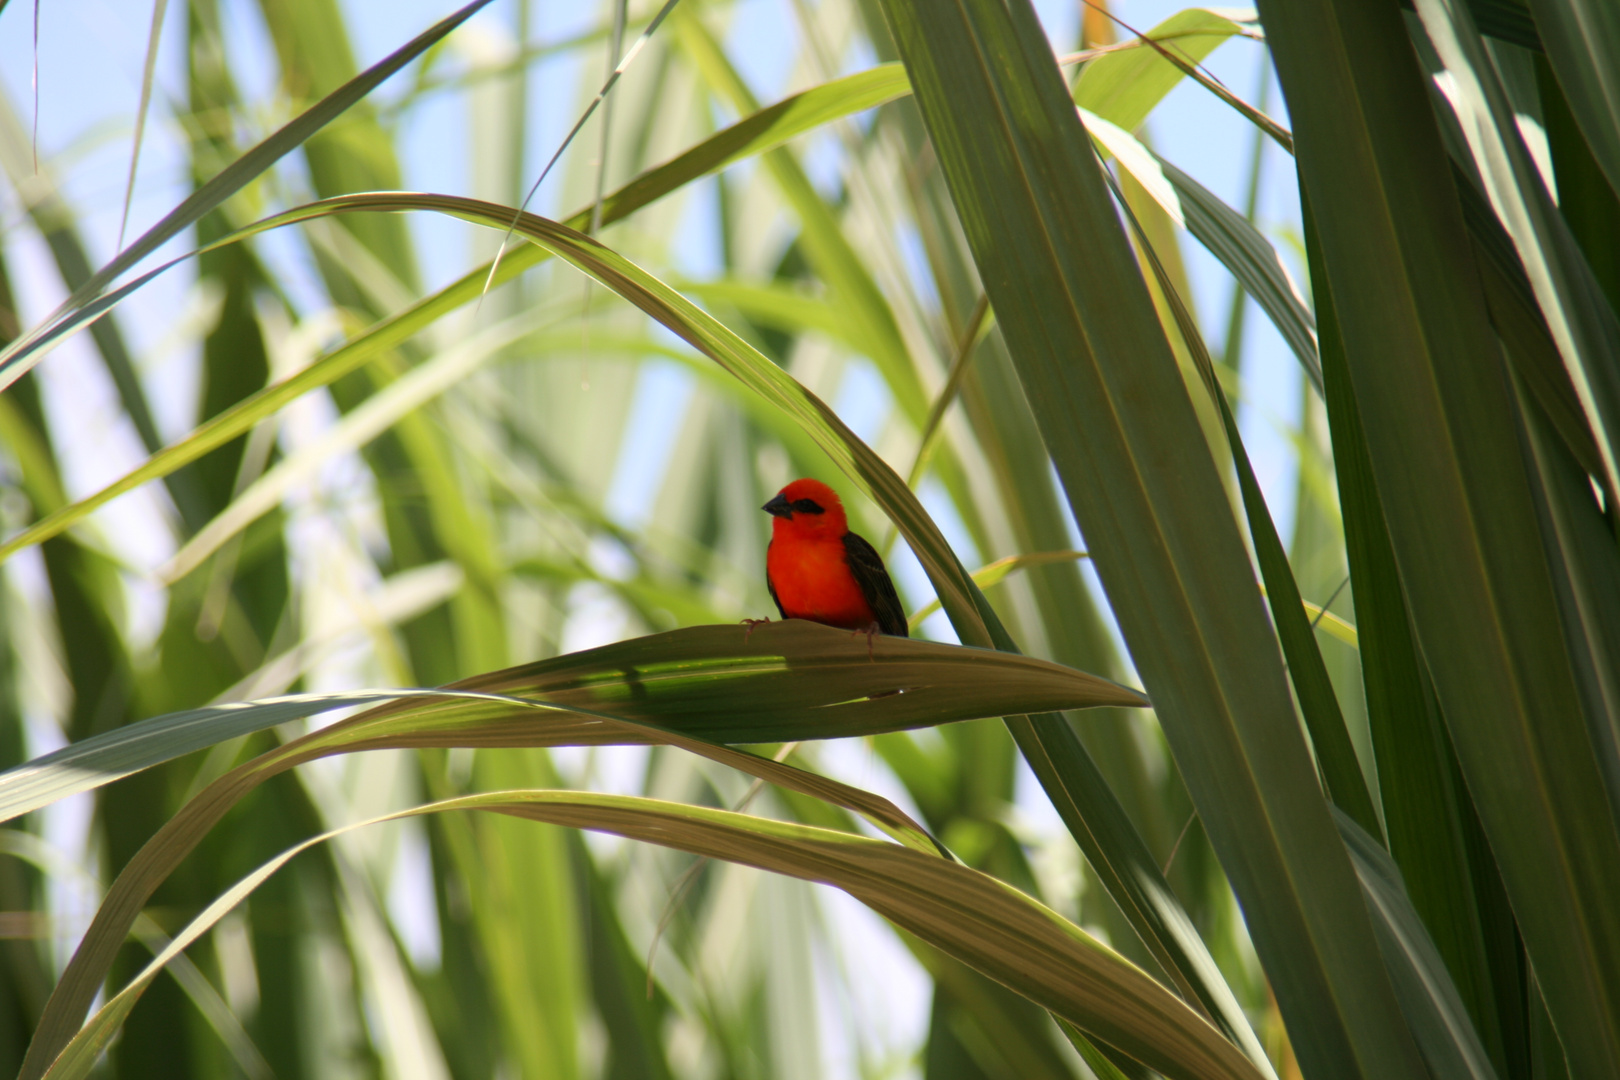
(1579,317)
(1335,755)
(967,914)
(1115,414)
(1422,817)
(1123,87)
(1440,1022)
(779,683)
(1445,442)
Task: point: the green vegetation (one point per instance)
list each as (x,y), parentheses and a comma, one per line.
(1362,832)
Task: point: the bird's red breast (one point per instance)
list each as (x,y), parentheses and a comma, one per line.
(818,570)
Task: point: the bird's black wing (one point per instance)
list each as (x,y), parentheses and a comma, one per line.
(771,585)
(867,566)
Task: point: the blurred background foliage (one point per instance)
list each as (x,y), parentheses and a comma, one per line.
(573,473)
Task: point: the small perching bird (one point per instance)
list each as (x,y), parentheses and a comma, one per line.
(817,569)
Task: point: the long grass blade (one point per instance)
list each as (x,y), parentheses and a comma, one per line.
(590,110)
(967,914)
(655,688)
(1445,445)
(154,37)
(1114,412)
(1335,754)
(1420,801)
(1440,1022)
(719,682)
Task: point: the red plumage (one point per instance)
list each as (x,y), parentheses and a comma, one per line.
(818,570)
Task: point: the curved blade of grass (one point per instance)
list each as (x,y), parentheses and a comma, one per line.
(113,755)
(768,128)
(1119,423)
(54,862)
(668,677)
(967,914)
(154,36)
(1018,1041)
(695,679)
(1440,1021)
(715,682)
(790,681)
(25,352)
(647,688)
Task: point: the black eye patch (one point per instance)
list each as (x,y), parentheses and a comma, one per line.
(807,506)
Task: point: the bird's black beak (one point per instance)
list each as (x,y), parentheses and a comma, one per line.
(778,507)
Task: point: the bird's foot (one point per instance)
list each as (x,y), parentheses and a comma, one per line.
(750,625)
(871,630)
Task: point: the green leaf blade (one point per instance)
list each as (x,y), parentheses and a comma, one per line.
(1024,181)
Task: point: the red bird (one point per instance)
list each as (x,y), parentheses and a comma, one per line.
(818,570)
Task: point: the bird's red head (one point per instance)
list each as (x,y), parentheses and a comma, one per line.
(807,508)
